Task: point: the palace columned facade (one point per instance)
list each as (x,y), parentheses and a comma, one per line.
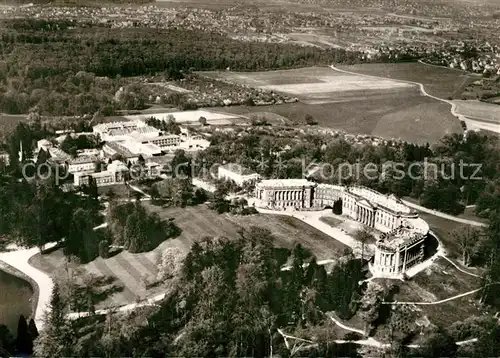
(403,233)
(398,250)
(285,193)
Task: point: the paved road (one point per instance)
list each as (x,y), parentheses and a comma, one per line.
(126,308)
(443,215)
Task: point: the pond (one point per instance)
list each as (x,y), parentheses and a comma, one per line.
(15,295)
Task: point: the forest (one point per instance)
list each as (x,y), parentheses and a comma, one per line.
(229,297)
(66,68)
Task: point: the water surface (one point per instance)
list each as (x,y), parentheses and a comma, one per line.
(15,295)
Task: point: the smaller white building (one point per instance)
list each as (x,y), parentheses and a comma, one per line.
(43,144)
(167,141)
(82,164)
(237,173)
(116,173)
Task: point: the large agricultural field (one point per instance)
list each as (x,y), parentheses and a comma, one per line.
(438,81)
(356,104)
(132,273)
(480,111)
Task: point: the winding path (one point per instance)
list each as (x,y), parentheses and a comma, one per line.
(471,124)
(370,341)
(19,259)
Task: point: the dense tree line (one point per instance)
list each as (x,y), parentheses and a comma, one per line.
(22,343)
(37,66)
(230,297)
(137,230)
(169,126)
(38,212)
(72,145)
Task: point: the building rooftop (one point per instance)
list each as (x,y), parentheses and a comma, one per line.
(58,154)
(284,183)
(83,159)
(141,148)
(117,166)
(120,149)
(168,136)
(237,169)
(44,142)
(131,125)
(410,232)
(377,199)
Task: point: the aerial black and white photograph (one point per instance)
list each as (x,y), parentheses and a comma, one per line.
(250,178)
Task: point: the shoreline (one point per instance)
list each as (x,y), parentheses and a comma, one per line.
(16,262)
(35,290)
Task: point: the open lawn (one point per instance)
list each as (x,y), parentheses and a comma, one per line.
(352,103)
(442,280)
(120,190)
(443,228)
(413,118)
(333,222)
(311,83)
(438,81)
(200,221)
(132,274)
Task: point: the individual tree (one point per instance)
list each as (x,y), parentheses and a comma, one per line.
(200,196)
(154,192)
(24,341)
(57,339)
(111,194)
(490,293)
(364,236)
(32,329)
(371,302)
(170,119)
(310,120)
(181,164)
(467,238)
(202,120)
(104,249)
(171,263)
(82,240)
(401,324)
(242,202)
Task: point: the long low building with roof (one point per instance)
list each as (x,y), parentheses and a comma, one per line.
(237,173)
(403,232)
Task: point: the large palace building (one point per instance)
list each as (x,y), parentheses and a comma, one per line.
(402,232)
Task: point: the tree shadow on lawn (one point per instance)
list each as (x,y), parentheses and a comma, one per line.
(100,288)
